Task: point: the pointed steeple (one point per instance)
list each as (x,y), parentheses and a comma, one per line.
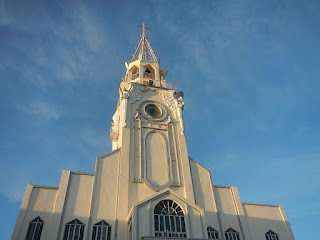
(144,67)
(144,50)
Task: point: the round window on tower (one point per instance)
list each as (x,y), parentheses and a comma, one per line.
(153,110)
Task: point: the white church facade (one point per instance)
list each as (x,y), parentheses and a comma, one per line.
(147,187)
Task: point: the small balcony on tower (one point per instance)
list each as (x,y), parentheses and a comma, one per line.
(146,73)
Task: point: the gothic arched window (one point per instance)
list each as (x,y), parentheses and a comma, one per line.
(169,220)
(231,234)
(271,235)
(35,229)
(212,233)
(101,231)
(74,230)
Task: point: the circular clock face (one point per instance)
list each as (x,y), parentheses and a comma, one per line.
(153,111)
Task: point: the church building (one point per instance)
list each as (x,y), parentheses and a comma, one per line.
(147,187)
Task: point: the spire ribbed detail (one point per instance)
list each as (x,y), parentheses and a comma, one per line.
(144,50)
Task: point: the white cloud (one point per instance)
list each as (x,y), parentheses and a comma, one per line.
(67,48)
(41,110)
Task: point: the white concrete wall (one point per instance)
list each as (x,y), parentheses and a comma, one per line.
(40,203)
(230,210)
(204,195)
(78,201)
(262,218)
(104,199)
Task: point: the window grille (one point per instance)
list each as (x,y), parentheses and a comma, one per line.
(212,233)
(74,230)
(101,231)
(270,235)
(232,234)
(35,229)
(169,220)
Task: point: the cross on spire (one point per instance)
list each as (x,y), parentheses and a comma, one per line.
(143,28)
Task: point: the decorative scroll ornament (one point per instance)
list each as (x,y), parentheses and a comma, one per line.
(124,104)
(136,92)
(169,99)
(114,130)
(180,106)
(180,116)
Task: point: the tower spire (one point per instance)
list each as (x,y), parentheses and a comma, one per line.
(144,50)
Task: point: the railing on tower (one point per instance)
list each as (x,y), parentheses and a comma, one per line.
(114,132)
(134,76)
(148,75)
(170,85)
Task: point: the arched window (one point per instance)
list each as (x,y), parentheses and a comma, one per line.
(231,234)
(271,235)
(169,220)
(74,230)
(101,231)
(35,229)
(212,233)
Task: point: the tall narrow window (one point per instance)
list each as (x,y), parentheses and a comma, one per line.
(74,230)
(212,233)
(270,235)
(35,229)
(101,231)
(231,234)
(169,220)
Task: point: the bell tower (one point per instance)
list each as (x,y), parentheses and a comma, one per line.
(149,121)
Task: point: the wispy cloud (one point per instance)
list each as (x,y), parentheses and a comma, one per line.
(42,110)
(70,53)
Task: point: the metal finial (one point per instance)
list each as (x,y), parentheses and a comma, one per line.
(143,28)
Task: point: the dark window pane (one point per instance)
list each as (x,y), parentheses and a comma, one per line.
(161,223)
(94,232)
(81,232)
(172,224)
(183,225)
(167,223)
(178,224)
(66,230)
(156,223)
(99,232)
(30,231)
(109,233)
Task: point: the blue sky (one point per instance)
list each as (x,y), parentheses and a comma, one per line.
(249,70)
